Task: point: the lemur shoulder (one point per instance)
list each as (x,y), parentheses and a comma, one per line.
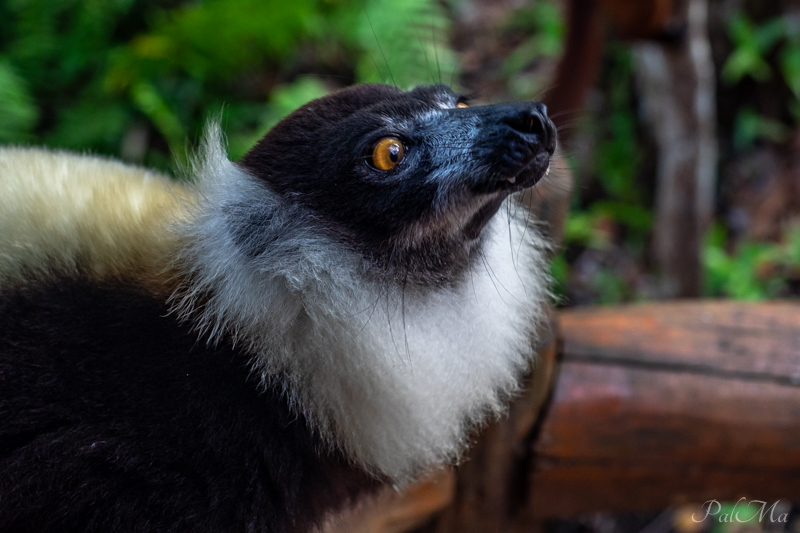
(339,309)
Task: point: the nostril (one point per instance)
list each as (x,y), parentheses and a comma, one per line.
(532,122)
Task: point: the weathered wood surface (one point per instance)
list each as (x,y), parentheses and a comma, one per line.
(668,403)
(392,511)
(758,340)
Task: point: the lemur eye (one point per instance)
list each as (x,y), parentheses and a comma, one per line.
(388,153)
(462,105)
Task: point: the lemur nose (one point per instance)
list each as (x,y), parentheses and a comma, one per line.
(534,121)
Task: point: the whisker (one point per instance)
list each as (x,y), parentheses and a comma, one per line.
(435,49)
(425,54)
(486,267)
(369,318)
(403,311)
(380,47)
(527,221)
(490,269)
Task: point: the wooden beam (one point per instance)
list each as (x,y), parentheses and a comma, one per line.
(662,404)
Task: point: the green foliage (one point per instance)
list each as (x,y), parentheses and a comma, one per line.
(597,228)
(750,127)
(614,220)
(18,112)
(585,228)
(593,227)
(96,124)
(610,288)
(403,43)
(790,66)
(543,25)
(283,100)
(618,151)
(214,40)
(753,44)
(147,99)
(617,155)
(559,271)
(94,74)
(754,270)
(607,286)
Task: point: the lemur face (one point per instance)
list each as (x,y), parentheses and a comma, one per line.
(410,177)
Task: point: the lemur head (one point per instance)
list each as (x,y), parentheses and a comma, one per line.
(408,178)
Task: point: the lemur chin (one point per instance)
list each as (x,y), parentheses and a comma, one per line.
(339,309)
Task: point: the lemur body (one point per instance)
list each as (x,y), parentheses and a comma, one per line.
(338,310)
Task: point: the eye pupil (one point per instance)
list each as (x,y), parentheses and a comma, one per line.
(387,154)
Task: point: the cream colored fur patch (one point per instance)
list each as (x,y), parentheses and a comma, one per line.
(67,213)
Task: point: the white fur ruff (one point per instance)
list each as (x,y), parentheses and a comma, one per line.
(397,377)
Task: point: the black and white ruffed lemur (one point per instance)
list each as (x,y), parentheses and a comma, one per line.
(337,310)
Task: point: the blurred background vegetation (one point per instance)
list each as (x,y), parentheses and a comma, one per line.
(137,80)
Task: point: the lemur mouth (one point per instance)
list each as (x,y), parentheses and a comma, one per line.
(522,143)
(528,176)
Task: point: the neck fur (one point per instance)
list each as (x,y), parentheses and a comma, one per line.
(396,375)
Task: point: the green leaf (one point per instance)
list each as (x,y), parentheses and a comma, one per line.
(148,100)
(91,124)
(559,271)
(747,57)
(18,111)
(633,215)
(749,127)
(754,271)
(585,228)
(543,22)
(768,34)
(404,43)
(283,100)
(610,287)
(745,61)
(790,66)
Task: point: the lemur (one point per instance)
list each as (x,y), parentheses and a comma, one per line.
(338,310)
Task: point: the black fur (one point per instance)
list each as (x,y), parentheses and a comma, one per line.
(113,417)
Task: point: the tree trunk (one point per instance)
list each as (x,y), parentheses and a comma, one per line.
(678,101)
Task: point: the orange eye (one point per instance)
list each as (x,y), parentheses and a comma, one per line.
(462,105)
(388,153)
